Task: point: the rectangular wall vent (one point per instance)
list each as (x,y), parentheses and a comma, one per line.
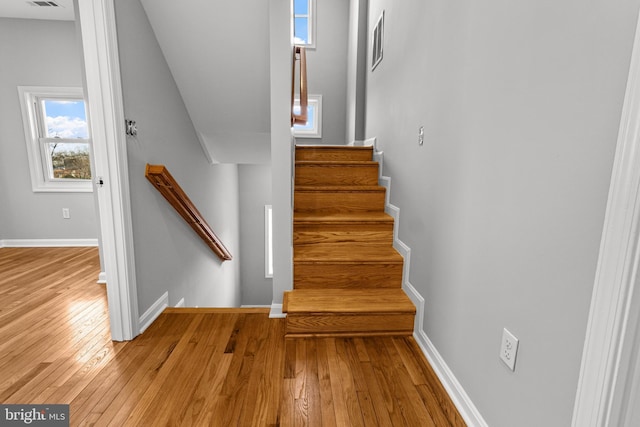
(44,3)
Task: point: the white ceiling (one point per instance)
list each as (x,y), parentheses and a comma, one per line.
(27,10)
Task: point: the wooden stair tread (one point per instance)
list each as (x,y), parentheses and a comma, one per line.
(346,252)
(341,217)
(365,163)
(348,301)
(341,188)
(334,146)
(333,152)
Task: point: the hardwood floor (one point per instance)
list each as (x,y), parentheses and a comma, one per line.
(194,367)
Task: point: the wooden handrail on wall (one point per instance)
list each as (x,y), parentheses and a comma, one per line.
(299,54)
(160,177)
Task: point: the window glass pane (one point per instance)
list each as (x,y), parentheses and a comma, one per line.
(310,117)
(65,118)
(69,160)
(301,31)
(301,7)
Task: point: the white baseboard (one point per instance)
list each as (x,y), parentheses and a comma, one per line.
(255,306)
(102,278)
(459,397)
(47,243)
(180,303)
(456,392)
(276,312)
(153,312)
(366,143)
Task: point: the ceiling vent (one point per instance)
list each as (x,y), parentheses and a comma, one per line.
(44,3)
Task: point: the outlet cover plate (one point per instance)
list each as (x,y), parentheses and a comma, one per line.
(509,349)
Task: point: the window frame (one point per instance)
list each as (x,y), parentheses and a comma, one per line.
(311,24)
(268,241)
(36,140)
(315,103)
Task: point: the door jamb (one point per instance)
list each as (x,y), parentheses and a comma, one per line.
(106,109)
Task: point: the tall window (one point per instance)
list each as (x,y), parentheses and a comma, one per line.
(57,137)
(304,28)
(268,241)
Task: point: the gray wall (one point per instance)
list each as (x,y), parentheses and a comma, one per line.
(327,69)
(255,193)
(36,53)
(503,206)
(169,255)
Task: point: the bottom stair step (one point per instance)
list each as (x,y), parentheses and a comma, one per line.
(348,312)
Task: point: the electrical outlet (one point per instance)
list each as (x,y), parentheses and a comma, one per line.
(65,213)
(509,349)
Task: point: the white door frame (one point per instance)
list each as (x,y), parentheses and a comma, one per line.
(604,382)
(104,97)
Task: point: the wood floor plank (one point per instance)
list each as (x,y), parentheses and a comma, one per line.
(348,382)
(327,408)
(340,395)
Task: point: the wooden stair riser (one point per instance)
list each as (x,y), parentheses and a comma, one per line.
(334,153)
(306,235)
(339,174)
(353,324)
(339,201)
(347,276)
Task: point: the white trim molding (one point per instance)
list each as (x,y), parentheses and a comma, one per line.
(458,395)
(106,109)
(102,278)
(276,311)
(604,383)
(153,312)
(47,243)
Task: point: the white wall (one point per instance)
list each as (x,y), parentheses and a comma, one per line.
(255,192)
(218,53)
(327,69)
(356,70)
(169,256)
(503,206)
(36,53)
(281,147)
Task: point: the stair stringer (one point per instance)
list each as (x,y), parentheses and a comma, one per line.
(456,392)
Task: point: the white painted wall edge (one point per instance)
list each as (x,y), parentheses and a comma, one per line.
(276,311)
(602,396)
(153,312)
(458,395)
(104,96)
(47,243)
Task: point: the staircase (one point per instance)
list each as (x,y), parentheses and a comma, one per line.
(347,277)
